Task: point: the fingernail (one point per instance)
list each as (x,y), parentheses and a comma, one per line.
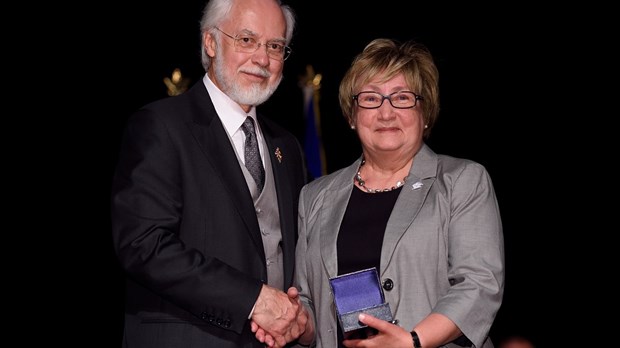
(362,316)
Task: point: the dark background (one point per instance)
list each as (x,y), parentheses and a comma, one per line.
(501,72)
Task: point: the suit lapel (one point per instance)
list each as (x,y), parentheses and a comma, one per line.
(419,182)
(276,150)
(217,148)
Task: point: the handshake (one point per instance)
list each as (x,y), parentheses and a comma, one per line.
(279,318)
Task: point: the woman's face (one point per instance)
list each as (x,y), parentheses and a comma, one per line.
(389,129)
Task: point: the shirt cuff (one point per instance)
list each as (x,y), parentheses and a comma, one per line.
(252,311)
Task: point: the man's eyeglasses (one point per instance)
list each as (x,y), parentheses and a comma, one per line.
(398,100)
(248,44)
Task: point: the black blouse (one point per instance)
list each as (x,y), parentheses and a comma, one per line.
(361,235)
(361,232)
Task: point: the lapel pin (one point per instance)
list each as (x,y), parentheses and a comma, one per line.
(416,185)
(278,154)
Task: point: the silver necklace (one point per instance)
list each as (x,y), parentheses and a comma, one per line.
(362,183)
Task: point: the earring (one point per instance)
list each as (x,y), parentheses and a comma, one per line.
(425,126)
(352,127)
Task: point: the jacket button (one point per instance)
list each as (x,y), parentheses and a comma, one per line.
(226,323)
(388,284)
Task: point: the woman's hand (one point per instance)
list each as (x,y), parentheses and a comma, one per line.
(387,335)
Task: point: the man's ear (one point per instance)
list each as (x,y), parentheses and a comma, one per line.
(209,44)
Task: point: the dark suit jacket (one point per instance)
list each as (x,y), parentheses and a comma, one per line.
(184,224)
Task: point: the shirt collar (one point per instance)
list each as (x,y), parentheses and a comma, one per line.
(230,113)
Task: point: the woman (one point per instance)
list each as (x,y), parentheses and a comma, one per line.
(429,223)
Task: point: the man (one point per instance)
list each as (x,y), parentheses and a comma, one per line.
(205,234)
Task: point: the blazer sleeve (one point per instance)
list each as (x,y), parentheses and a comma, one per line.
(476,255)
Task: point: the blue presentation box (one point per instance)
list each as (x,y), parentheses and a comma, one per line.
(359,292)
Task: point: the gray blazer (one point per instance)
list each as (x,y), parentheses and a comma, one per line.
(443,247)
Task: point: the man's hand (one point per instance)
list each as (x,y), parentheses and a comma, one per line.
(278,318)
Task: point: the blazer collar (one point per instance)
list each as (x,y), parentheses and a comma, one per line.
(335,203)
(421,177)
(412,196)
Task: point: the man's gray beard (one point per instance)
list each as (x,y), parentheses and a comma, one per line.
(254,95)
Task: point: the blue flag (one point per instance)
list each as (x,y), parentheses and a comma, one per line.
(313,146)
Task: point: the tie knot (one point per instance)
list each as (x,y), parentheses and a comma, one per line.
(248,126)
